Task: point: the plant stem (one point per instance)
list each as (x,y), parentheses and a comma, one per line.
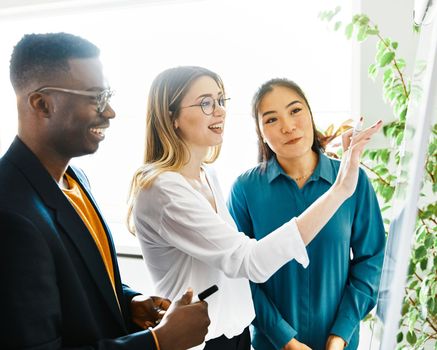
(417,308)
(430,219)
(429,173)
(374,172)
(418,277)
(395,63)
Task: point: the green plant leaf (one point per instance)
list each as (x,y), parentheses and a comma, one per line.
(373,71)
(362,33)
(337,25)
(405,308)
(385,155)
(399,337)
(386,58)
(382,44)
(411,337)
(403,113)
(420,252)
(384,208)
(348,31)
(429,241)
(394,45)
(423,264)
(401,63)
(372,31)
(412,286)
(364,20)
(389,73)
(399,138)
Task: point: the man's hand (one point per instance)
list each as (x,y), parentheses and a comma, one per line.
(294,344)
(335,342)
(147,311)
(184,325)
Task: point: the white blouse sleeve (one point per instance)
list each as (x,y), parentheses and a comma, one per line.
(172,210)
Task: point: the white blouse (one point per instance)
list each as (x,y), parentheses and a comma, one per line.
(185,243)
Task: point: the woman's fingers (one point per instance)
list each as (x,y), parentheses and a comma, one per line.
(346,139)
(365,136)
(366,133)
(351,138)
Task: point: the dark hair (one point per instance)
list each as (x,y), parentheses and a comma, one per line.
(264,151)
(39,57)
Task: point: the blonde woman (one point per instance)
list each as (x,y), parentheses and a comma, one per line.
(177,211)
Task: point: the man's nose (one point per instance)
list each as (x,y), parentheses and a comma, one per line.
(108,112)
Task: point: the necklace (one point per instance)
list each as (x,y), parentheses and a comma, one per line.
(303,177)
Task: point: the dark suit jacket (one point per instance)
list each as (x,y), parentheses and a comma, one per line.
(55,292)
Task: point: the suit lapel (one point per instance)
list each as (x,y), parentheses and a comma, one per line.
(81,179)
(70,221)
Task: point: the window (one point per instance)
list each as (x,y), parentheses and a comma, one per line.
(246,42)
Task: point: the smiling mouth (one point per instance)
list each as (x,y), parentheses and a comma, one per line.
(218,127)
(99,132)
(293,141)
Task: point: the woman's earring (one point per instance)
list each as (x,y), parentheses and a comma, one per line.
(264,140)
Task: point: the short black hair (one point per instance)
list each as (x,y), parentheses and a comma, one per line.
(37,57)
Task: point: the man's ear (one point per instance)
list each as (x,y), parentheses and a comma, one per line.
(39,103)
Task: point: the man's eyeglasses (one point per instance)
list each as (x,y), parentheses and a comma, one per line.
(208,104)
(102,97)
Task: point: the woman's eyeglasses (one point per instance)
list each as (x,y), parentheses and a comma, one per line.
(208,104)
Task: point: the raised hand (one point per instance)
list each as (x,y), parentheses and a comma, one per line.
(347,177)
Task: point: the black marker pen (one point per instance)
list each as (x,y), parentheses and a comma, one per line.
(205,294)
(199,297)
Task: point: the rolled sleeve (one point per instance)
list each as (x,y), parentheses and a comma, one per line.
(184,221)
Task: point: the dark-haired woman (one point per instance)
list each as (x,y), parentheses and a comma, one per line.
(319,307)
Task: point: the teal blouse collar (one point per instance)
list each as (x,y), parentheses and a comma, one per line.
(323,170)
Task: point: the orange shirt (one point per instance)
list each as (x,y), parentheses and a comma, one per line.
(85,209)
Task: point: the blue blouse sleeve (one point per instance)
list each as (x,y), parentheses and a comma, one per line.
(367,243)
(237,206)
(268,319)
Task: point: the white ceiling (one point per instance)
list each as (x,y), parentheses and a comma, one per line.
(10,9)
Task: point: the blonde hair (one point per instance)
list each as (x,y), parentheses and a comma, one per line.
(165,150)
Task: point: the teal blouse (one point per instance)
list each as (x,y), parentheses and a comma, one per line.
(340,285)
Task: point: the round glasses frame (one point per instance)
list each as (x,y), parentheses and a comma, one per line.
(208,104)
